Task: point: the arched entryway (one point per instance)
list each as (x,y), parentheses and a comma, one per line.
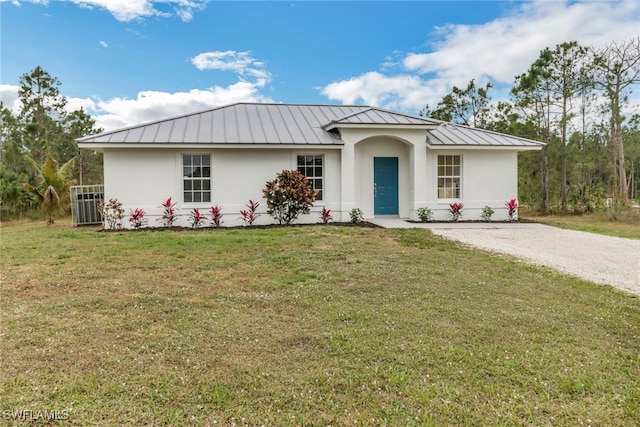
(382,175)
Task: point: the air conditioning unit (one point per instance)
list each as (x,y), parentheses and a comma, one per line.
(84,204)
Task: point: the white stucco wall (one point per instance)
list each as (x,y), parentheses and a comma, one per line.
(489,178)
(140,178)
(143,178)
(240,174)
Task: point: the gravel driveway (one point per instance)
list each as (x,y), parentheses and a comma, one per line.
(600,259)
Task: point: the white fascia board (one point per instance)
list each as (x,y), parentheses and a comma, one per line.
(100,147)
(483,147)
(277,146)
(91,147)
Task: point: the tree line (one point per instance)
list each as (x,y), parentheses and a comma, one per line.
(572,98)
(39,159)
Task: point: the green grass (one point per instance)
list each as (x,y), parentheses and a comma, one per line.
(625,224)
(318,325)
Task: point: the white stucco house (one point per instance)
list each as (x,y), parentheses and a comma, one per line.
(380,161)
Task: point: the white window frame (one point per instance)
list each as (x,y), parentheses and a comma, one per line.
(314,178)
(196,181)
(448,175)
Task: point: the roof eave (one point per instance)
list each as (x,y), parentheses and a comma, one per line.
(485,147)
(204,146)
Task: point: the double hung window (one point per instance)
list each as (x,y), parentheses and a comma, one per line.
(196,178)
(449,176)
(312,166)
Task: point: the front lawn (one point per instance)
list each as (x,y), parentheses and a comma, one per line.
(317,325)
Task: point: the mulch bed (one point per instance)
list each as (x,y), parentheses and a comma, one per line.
(364,224)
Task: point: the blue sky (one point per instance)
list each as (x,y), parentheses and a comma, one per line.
(130,61)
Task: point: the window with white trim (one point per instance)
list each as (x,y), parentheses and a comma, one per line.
(196,178)
(449,176)
(312,166)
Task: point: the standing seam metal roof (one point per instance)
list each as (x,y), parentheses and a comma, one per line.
(299,124)
(448,134)
(378,116)
(242,123)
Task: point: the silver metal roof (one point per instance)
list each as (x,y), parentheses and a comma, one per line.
(299,124)
(237,124)
(449,134)
(379,116)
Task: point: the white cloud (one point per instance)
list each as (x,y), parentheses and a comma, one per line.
(149,105)
(496,51)
(9,97)
(18,4)
(238,62)
(373,88)
(506,47)
(227,61)
(122,10)
(152,105)
(103,43)
(128,10)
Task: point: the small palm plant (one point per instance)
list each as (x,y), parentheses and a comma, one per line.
(137,217)
(169,213)
(52,188)
(51,203)
(325,215)
(216,215)
(196,218)
(249,215)
(512,209)
(455,209)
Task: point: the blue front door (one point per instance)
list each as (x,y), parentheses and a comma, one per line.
(385,185)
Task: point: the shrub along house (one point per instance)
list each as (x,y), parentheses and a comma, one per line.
(380,161)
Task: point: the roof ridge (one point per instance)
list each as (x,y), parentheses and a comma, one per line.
(426,120)
(366,108)
(206,110)
(411,116)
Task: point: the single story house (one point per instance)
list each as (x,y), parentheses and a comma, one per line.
(380,161)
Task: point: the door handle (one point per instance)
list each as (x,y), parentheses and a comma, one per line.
(375,189)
